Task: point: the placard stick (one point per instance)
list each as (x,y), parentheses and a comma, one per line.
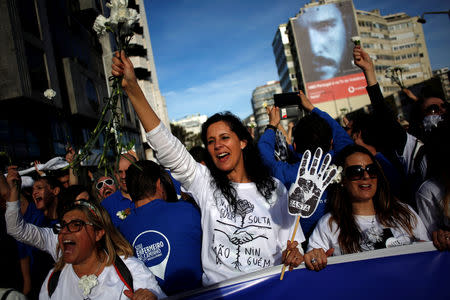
(292,240)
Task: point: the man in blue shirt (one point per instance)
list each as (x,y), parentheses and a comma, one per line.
(165,233)
(119,203)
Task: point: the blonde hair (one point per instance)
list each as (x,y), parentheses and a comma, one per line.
(112,241)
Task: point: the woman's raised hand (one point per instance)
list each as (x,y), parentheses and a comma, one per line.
(306,104)
(122,66)
(363,60)
(274,115)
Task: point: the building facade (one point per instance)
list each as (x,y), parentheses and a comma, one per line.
(395,40)
(262,97)
(284,60)
(53,46)
(192,123)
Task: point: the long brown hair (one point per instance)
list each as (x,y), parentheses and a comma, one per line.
(388,210)
(112,241)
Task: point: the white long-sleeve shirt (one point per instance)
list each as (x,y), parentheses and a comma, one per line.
(234,243)
(42,238)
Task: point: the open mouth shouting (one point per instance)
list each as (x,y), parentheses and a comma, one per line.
(223,157)
(68,246)
(39,202)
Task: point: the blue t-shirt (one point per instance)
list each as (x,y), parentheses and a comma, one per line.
(167,237)
(114,203)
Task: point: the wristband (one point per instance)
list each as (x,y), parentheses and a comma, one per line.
(271,127)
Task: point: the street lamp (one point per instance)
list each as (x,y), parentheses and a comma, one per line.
(422,20)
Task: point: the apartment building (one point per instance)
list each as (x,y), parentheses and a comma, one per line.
(262,97)
(395,40)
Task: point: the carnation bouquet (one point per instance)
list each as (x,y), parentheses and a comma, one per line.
(120,24)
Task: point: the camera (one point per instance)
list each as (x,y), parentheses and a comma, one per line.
(289,104)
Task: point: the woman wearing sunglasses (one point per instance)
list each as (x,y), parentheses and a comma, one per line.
(93,260)
(363,213)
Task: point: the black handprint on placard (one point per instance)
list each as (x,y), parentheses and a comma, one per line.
(305,193)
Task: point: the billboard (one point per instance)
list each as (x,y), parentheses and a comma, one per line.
(322,35)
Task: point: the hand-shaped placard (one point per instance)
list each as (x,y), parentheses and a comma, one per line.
(311,182)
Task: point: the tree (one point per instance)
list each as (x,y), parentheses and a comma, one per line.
(188,139)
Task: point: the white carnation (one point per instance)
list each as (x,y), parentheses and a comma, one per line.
(86,283)
(356,40)
(49,94)
(133,16)
(99,25)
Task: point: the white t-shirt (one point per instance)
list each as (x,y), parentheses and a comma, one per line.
(233,243)
(430,205)
(109,286)
(373,233)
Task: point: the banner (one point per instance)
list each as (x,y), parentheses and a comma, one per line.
(336,88)
(322,35)
(416,271)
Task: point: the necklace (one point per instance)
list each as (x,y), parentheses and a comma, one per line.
(87,282)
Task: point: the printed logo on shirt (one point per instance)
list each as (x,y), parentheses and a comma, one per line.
(153,249)
(241,229)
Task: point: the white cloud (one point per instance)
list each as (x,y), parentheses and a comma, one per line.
(230,91)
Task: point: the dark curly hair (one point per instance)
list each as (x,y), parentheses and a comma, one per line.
(256,171)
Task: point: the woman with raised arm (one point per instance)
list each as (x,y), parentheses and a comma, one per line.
(93,260)
(244,214)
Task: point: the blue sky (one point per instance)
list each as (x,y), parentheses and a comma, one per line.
(211,54)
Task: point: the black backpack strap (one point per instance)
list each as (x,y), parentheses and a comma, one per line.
(124,273)
(5,295)
(53,282)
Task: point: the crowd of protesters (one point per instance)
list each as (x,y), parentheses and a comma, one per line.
(200,217)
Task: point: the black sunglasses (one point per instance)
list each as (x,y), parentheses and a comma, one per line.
(357,172)
(108,181)
(72,226)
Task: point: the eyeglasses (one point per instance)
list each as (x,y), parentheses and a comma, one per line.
(100,184)
(356,172)
(72,226)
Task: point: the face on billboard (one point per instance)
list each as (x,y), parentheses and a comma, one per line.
(325,30)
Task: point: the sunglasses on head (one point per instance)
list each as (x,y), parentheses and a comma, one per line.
(357,172)
(100,184)
(72,226)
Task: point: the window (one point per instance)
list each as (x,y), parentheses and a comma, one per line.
(36,67)
(91,94)
(29,17)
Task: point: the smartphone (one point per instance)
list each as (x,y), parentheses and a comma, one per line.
(289,104)
(286,99)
